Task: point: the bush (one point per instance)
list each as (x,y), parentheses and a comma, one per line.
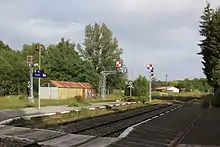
(79,98)
(21,97)
(29,105)
(216,99)
(206,102)
(135,99)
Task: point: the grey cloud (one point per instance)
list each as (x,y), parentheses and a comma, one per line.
(164,33)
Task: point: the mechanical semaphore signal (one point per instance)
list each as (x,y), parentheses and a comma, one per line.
(151,74)
(150,66)
(119,63)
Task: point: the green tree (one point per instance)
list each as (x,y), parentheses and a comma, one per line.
(14,71)
(140,86)
(101,49)
(210,45)
(61,62)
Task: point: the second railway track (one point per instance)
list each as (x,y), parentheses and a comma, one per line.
(113,128)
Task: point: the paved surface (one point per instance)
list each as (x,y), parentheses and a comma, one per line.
(29,137)
(207,130)
(161,131)
(7,114)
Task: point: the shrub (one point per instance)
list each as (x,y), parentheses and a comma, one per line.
(216,99)
(29,105)
(21,97)
(79,98)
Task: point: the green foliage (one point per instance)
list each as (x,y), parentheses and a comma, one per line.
(140,86)
(210,45)
(64,61)
(196,85)
(101,49)
(14,71)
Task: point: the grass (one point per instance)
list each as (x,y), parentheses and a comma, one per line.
(17,102)
(109,97)
(54,121)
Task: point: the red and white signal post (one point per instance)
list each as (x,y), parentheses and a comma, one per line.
(120,67)
(151,74)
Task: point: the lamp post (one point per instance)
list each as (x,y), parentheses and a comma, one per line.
(38,48)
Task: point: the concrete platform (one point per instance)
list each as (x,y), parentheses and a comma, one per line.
(207,129)
(18,136)
(70,140)
(194,145)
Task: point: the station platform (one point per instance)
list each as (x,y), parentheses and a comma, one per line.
(21,137)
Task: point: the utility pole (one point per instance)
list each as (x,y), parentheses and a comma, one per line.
(39,79)
(166,77)
(30,83)
(39,48)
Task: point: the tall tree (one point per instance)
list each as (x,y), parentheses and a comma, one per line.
(210,45)
(101,49)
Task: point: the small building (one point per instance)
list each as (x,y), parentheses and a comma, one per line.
(173,89)
(64,90)
(167,89)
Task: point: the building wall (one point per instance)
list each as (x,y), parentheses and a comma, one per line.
(65,93)
(49,92)
(173,89)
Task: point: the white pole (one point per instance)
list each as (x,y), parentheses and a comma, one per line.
(39,78)
(32,89)
(149,87)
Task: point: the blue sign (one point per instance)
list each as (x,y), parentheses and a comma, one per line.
(39,74)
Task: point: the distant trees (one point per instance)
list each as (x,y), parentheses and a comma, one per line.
(186,84)
(65,61)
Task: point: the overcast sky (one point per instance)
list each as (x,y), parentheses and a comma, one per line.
(161,32)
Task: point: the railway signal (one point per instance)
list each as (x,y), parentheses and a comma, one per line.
(119,63)
(119,66)
(130,86)
(151,74)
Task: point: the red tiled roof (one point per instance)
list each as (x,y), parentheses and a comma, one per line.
(64,84)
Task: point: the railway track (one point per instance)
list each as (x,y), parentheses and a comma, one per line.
(114,125)
(111,128)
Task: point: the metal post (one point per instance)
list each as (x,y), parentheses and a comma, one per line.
(149,87)
(104,86)
(39,78)
(31,85)
(100,86)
